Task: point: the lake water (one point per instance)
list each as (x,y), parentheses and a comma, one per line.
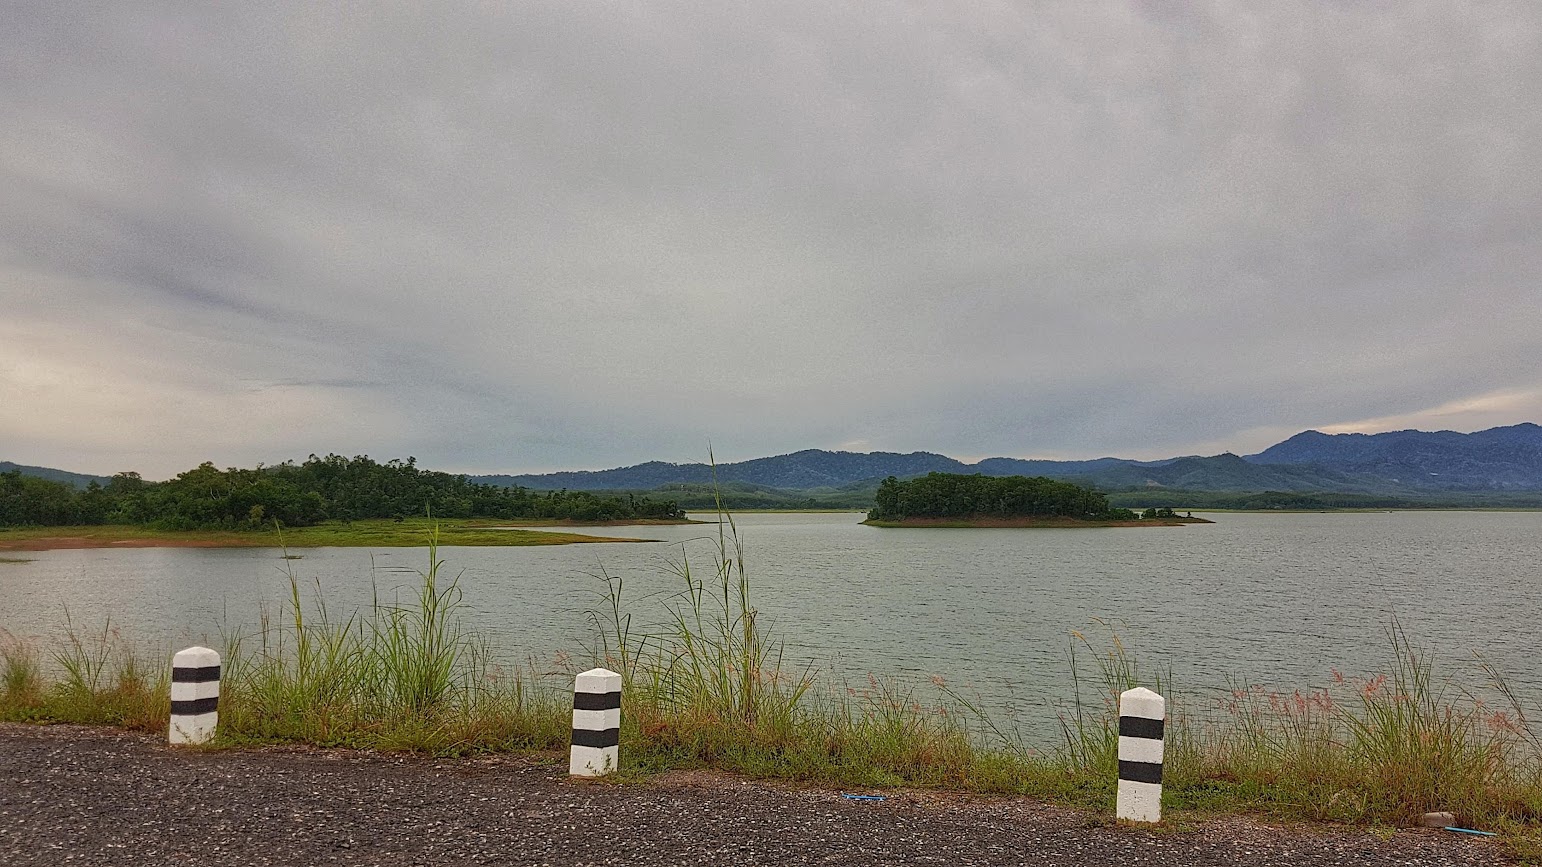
(1275,599)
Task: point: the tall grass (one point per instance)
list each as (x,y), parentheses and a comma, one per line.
(101,680)
(710,668)
(706,684)
(1379,749)
(399,674)
(21,677)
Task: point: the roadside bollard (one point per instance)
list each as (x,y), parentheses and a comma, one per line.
(1141,712)
(596,723)
(195,695)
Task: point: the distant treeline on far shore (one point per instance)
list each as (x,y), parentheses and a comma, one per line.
(320,489)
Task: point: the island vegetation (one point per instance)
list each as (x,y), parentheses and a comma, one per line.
(953,500)
(332,500)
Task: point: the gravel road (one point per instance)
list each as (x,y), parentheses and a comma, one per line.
(71,795)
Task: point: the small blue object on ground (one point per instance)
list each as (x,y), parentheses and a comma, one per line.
(862,797)
(1470,831)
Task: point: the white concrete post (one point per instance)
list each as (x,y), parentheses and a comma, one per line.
(1141,712)
(195,695)
(596,723)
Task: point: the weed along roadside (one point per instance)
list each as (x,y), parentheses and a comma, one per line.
(704,689)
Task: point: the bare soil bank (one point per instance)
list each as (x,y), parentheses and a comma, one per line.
(569,522)
(59,543)
(104,796)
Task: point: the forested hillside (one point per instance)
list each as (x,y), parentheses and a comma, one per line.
(810,468)
(78,480)
(333,487)
(1501,458)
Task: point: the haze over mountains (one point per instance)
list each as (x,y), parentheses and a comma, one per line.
(1501,459)
(79,480)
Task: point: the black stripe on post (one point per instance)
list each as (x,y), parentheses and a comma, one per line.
(1140,727)
(194,707)
(1140,772)
(205,674)
(591,738)
(596,700)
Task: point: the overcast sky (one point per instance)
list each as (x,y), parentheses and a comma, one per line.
(567,235)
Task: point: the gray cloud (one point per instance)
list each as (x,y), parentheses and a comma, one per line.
(552,235)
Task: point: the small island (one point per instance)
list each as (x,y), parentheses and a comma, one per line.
(952,500)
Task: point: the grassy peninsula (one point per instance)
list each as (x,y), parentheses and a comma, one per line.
(377,533)
(330,501)
(953,500)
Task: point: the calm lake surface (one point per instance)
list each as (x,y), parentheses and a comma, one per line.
(1279,600)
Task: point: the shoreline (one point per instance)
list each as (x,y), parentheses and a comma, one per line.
(779,511)
(1031,523)
(359,534)
(521,523)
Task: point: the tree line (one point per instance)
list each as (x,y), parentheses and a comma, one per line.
(320,489)
(949,495)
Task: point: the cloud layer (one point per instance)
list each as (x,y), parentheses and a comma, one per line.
(528,236)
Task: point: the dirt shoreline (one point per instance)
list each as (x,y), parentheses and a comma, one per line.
(62,543)
(320,536)
(66,543)
(1033,523)
(526,523)
(75,795)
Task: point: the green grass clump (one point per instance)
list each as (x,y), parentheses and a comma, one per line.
(102,681)
(21,677)
(1381,750)
(397,675)
(708,687)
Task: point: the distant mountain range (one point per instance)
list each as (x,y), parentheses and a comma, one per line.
(79,480)
(1502,459)
(1410,464)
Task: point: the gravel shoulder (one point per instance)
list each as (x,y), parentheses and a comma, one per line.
(73,795)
